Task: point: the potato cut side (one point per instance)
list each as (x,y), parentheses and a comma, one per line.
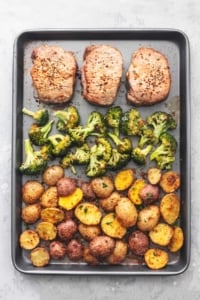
(40,257)
(177,240)
(112,227)
(53,215)
(154,175)
(46,230)
(170,208)
(29,239)
(134,191)
(124,179)
(71,201)
(88,213)
(161,234)
(170,181)
(156,258)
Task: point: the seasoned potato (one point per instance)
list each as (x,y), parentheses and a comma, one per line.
(126,212)
(108,204)
(119,253)
(154,175)
(148,218)
(88,232)
(112,227)
(40,257)
(29,239)
(50,197)
(66,186)
(74,250)
(101,246)
(89,258)
(149,193)
(170,181)
(70,201)
(134,191)
(138,242)
(66,230)
(102,186)
(170,208)
(156,258)
(52,174)
(57,250)
(32,191)
(161,234)
(88,213)
(88,193)
(53,215)
(46,231)
(31,213)
(177,240)
(124,179)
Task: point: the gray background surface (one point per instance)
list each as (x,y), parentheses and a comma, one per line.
(19,15)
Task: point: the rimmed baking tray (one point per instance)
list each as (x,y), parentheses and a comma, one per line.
(175,45)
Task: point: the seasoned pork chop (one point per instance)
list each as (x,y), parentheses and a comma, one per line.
(148,77)
(101,74)
(53,73)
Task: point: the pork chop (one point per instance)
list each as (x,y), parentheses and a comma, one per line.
(148,77)
(101,74)
(53,73)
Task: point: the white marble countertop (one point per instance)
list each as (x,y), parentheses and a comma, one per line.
(17,16)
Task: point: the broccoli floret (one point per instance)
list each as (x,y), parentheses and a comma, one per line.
(35,161)
(124,145)
(164,154)
(41,116)
(59,144)
(104,148)
(67,118)
(131,122)
(161,122)
(39,134)
(139,155)
(146,137)
(79,134)
(96,166)
(113,118)
(117,160)
(96,122)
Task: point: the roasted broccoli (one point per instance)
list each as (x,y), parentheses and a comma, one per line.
(59,144)
(113,118)
(117,160)
(139,154)
(79,134)
(39,134)
(124,145)
(131,122)
(41,116)
(147,137)
(164,154)
(96,122)
(161,122)
(35,161)
(67,118)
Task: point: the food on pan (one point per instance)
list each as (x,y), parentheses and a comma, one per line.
(66,186)
(31,213)
(170,208)
(148,76)
(101,74)
(53,215)
(40,257)
(52,174)
(126,212)
(177,240)
(161,234)
(53,73)
(156,258)
(148,217)
(66,230)
(108,204)
(71,201)
(124,179)
(102,246)
(89,258)
(29,239)
(119,253)
(134,191)
(57,250)
(32,191)
(88,213)
(112,227)
(149,193)
(46,231)
(88,193)
(170,181)
(102,186)
(138,242)
(154,175)
(50,197)
(74,250)
(88,232)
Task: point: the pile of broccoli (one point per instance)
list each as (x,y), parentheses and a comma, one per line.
(110,146)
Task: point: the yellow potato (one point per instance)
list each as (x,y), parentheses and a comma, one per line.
(29,239)
(88,232)
(112,227)
(40,257)
(52,214)
(161,234)
(31,213)
(71,201)
(50,197)
(119,253)
(46,230)
(156,258)
(124,179)
(170,181)
(126,212)
(102,186)
(170,208)
(148,218)
(88,213)
(154,175)
(108,204)
(134,191)
(177,240)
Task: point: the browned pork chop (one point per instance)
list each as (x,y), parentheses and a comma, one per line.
(148,77)
(101,74)
(53,73)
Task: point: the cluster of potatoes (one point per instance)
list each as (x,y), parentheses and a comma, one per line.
(104,220)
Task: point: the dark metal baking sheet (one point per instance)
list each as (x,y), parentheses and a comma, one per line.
(174,44)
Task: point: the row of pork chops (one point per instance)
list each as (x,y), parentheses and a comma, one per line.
(54,71)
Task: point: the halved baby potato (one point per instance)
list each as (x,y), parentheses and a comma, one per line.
(88,213)
(53,215)
(71,201)
(124,179)
(161,234)
(40,257)
(148,217)
(134,191)
(177,240)
(29,239)
(112,227)
(170,208)
(156,258)
(170,181)
(126,212)
(46,231)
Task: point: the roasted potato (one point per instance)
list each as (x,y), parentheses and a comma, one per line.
(57,250)
(170,181)
(52,174)
(88,232)
(88,193)
(170,208)
(119,253)
(32,191)
(46,231)
(154,175)
(71,201)
(108,204)
(88,213)
(66,230)
(148,218)
(177,240)
(149,194)
(161,234)
(49,198)
(102,186)
(53,215)
(66,186)
(89,258)
(29,239)
(101,246)
(40,257)
(138,242)
(156,258)
(134,191)
(112,227)
(124,179)
(31,213)
(74,250)
(126,212)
